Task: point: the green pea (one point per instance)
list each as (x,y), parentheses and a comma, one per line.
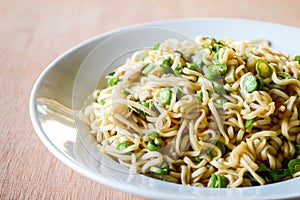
(197,159)
(219,88)
(263,69)
(152,146)
(113,81)
(283,75)
(248,123)
(166,62)
(217,69)
(250,83)
(121,146)
(164,96)
(294,166)
(102,101)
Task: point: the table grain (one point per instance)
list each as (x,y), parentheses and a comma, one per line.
(33,33)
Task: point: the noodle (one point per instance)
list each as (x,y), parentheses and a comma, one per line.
(206,113)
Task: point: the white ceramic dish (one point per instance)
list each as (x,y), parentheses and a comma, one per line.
(52,114)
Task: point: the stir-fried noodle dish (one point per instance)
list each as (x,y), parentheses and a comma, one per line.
(209,113)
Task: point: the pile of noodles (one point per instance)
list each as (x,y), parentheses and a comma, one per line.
(190,127)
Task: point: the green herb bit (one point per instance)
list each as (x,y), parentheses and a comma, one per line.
(294,166)
(222,181)
(147,68)
(263,69)
(283,75)
(248,123)
(194,67)
(221,146)
(200,96)
(218,181)
(156,46)
(165,166)
(297,147)
(146,104)
(102,101)
(111,73)
(121,146)
(250,83)
(212,153)
(213,181)
(219,88)
(217,69)
(274,175)
(113,81)
(270,175)
(158,170)
(249,175)
(261,166)
(164,96)
(197,159)
(297,58)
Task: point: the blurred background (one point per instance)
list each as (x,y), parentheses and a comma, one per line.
(33,33)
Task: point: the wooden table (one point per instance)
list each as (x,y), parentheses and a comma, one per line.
(33,33)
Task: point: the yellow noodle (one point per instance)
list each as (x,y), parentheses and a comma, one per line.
(194,134)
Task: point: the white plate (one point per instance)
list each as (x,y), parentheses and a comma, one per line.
(52,115)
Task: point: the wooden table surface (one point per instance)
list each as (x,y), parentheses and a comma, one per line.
(33,33)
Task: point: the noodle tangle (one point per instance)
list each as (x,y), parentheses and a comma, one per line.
(206,113)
